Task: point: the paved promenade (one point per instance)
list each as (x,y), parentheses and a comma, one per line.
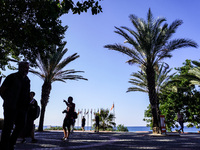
(51,140)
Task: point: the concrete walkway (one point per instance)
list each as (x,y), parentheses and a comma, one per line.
(51,140)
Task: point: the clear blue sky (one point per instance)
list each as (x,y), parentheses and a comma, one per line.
(106,70)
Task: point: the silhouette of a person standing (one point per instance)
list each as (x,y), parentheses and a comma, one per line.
(15,92)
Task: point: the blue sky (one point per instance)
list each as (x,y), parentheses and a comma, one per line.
(107,71)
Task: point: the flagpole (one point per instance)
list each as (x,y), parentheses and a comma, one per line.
(91,118)
(88,119)
(114,112)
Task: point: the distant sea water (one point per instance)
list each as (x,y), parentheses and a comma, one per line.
(141,128)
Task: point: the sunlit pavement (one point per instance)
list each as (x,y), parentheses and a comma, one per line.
(52,140)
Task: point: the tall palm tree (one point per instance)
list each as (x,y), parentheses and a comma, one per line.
(50,70)
(150,44)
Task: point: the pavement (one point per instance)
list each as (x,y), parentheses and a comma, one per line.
(87,140)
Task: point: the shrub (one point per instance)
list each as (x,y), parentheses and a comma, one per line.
(122,128)
(54,128)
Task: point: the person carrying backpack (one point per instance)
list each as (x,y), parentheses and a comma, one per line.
(29,130)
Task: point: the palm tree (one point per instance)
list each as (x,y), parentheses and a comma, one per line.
(106,119)
(51,70)
(150,44)
(139,80)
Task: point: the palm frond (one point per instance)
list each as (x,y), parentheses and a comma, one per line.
(51,66)
(136,89)
(125,50)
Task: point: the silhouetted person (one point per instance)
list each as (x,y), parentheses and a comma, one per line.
(68,121)
(15,92)
(97,123)
(29,130)
(180,120)
(83,123)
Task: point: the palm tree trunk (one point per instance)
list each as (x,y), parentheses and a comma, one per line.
(40,128)
(46,89)
(153,100)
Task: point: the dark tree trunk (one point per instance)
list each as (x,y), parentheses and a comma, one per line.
(40,128)
(153,99)
(46,89)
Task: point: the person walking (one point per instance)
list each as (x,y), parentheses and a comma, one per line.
(180,120)
(97,123)
(68,120)
(15,92)
(29,130)
(83,123)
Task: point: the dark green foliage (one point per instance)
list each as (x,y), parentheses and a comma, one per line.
(121,127)
(106,120)
(179,95)
(54,128)
(29,27)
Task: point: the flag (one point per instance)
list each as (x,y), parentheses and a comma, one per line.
(87,112)
(112,107)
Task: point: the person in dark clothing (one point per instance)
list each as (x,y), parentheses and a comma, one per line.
(15,92)
(180,120)
(97,123)
(29,129)
(68,120)
(83,123)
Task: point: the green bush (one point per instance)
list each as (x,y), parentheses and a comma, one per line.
(110,129)
(55,128)
(122,128)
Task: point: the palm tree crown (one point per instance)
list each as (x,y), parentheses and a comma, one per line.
(150,42)
(50,67)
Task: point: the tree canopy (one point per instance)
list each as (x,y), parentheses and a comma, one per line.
(29,27)
(179,95)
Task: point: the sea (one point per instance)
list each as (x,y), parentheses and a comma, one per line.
(142,128)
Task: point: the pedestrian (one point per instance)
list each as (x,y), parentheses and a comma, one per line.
(29,130)
(15,92)
(97,123)
(83,123)
(180,120)
(68,120)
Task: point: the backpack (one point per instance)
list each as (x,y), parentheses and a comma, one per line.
(75,115)
(37,112)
